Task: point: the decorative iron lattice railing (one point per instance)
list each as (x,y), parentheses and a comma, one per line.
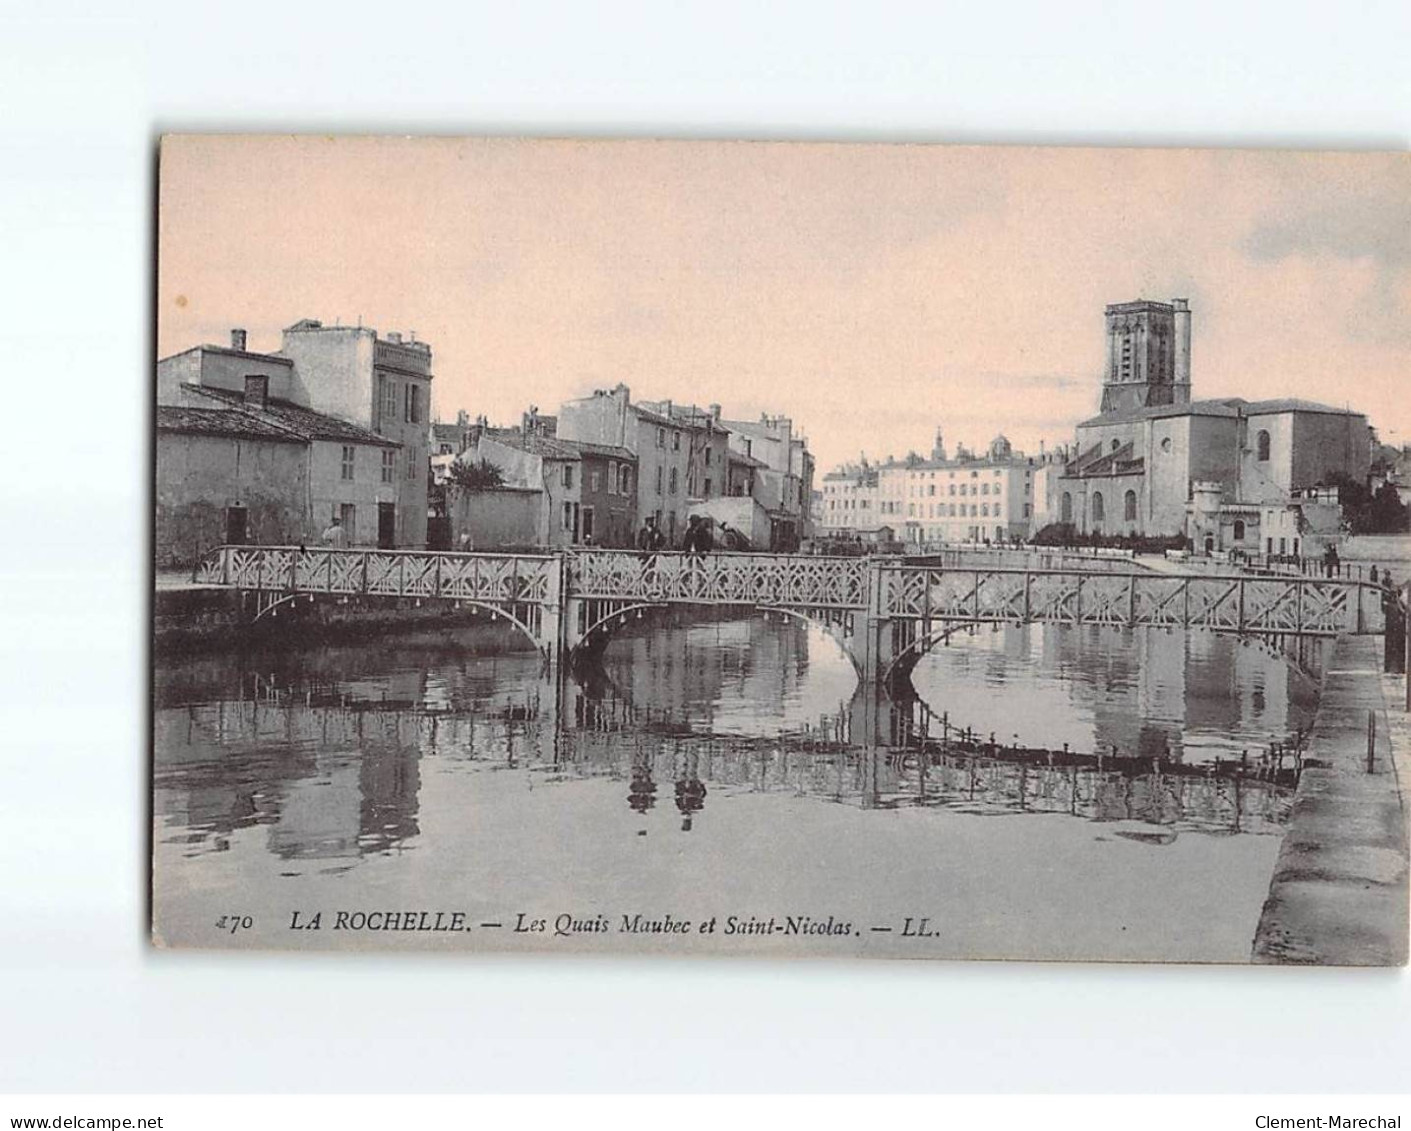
(1252,605)
(786,580)
(495,579)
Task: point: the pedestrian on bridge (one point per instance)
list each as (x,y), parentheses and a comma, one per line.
(335,535)
(650,538)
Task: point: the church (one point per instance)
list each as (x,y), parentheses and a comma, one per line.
(1228,474)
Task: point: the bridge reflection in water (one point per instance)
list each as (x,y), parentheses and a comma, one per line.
(333,764)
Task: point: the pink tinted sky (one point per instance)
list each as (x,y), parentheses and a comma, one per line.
(872,292)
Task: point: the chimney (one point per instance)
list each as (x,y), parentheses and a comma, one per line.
(715,412)
(462,419)
(237,339)
(256,390)
(395,337)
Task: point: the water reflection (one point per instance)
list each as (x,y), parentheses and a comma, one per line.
(333,753)
(1185,698)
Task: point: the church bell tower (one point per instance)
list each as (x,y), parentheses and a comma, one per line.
(1148,355)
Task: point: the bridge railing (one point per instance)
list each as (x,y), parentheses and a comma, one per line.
(720,578)
(489,578)
(1230,603)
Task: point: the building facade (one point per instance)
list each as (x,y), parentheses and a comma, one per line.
(379,386)
(552,468)
(236,468)
(783,483)
(850,502)
(1136,466)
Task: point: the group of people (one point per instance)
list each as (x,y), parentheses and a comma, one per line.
(698,539)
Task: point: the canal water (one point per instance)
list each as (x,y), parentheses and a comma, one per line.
(723,771)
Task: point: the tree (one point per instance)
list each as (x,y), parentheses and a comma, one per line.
(1368,512)
(482,475)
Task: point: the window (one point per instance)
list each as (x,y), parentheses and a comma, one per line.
(984,488)
(389,399)
(389,465)
(676,441)
(349,453)
(1098,509)
(595,483)
(1027,510)
(411,404)
(1129,506)
(412,459)
(707,482)
(659,474)
(985,509)
(568,516)
(587,523)
(932,489)
(1239,530)
(952,488)
(1115,445)
(661,437)
(997,510)
(674,481)
(707,460)
(613,479)
(1263,444)
(952,510)
(568,475)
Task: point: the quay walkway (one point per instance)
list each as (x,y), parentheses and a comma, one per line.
(1339,891)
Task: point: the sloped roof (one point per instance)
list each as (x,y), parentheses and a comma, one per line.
(1229,407)
(536,445)
(751,461)
(220,422)
(297,420)
(1224,406)
(608,451)
(1294,404)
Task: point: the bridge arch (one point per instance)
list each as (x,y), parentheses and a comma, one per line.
(836,632)
(598,625)
(268,604)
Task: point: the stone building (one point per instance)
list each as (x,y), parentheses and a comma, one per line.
(783,484)
(235,468)
(608,491)
(1136,464)
(549,466)
(850,505)
(380,386)
(969,498)
(677,451)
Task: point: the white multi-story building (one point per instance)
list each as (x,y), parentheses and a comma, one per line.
(849,502)
(988,498)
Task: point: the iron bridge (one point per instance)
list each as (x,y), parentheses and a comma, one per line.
(885,612)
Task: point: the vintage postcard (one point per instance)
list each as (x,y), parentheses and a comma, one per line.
(809,550)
